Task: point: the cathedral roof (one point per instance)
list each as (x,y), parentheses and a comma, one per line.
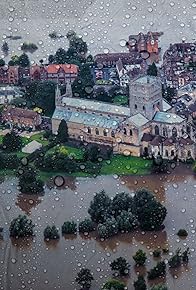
(87,119)
(186,141)
(156,141)
(147,137)
(138,120)
(169,118)
(96,106)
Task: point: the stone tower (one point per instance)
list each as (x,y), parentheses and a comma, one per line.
(68,92)
(145,96)
(58,97)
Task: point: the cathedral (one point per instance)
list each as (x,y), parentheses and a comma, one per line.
(147,127)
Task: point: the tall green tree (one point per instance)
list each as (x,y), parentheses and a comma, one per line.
(45,97)
(2,62)
(12,142)
(140,283)
(121,266)
(21,227)
(62,134)
(152,70)
(84,278)
(23,60)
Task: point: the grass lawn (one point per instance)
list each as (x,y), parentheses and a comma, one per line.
(39,138)
(122,165)
(78,153)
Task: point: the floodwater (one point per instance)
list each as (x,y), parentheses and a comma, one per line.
(35,264)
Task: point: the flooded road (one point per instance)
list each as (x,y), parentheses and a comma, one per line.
(35,264)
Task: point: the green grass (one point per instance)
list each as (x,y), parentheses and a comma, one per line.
(78,153)
(125,165)
(39,138)
(121,100)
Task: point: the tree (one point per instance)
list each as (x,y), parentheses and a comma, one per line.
(140,258)
(70,34)
(62,134)
(126,221)
(28,182)
(21,227)
(14,60)
(99,206)
(140,283)
(60,56)
(159,165)
(107,229)
(51,59)
(168,93)
(114,284)
(69,227)
(12,142)
(152,70)
(2,62)
(92,153)
(5,48)
(84,278)
(159,287)
(157,253)
(51,233)
(121,266)
(182,233)
(121,202)
(86,226)
(158,271)
(103,96)
(44,97)
(175,261)
(23,60)
(185,255)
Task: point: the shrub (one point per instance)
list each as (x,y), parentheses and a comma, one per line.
(159,287)
(121,202)
(51,233)
(158,271)
(86,226)
(28,182)
(156,253)
(126,221)
(21,227)
(182,233)
(175,261)
(12,142)
(84,278)
(140,284)
(140,258)
(108,229)
(121,266)
(98,207)
(114,284)
(69,227)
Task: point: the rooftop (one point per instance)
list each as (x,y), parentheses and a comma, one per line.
(96,106)
(146,80)
(138,120)
(170,118)
(87,119)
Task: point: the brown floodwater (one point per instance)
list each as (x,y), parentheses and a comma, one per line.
(35,264)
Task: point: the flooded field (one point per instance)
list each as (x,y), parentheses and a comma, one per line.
(46,266)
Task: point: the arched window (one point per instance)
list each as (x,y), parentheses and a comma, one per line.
(125,131)
(156,130)
(174,132)
(135,106)
(164,132)
(189,154)
(112,134)
(144,108)
(131,132)
(89,130)
(105,133)
(166,153)
(97,131)
(188,129)
(172,153)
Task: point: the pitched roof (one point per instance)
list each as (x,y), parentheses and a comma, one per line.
(68,68)
(87,119)
(170,118)
(169,141)
(20,113)
(31,147)
(96,106)
(147,137)
(186,141)
(138,120)
(156,141)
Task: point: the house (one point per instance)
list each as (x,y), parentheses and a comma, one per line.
(8,93)
(22,118)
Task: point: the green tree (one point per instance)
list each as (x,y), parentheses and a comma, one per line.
(69,227)
(28,181)
(175,261)
(152,70)
(185,255)
(114,284)
(2,62)
(121,266)
(159,287)
(182,233)
(62,134)
(140,283)
(102,96)
(140,257)
(11,142)
(86,226)
(107,229)
(98,207)
(121,202)
(23,60)
(126,221)
(60,56)
(92,153)
(5,48)
(158,271)
(84,278)
(45,97)
(51,59)
(21,227)
(51,233)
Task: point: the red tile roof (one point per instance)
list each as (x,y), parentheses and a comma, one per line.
(68,68)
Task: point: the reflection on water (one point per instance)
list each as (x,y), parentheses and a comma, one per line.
(36,264)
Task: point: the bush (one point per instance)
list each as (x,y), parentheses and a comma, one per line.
(158,271)
(140,284)
(12,142)
(182,233)
(140,258)
(69,227)
(86,226)
(114,284)
(98,207)
(121,202)
(159,287)
(9,161)
(126,221)
(51,233)
(84,278)
(121,266)
(21,227)
(156,253)
(28,182)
